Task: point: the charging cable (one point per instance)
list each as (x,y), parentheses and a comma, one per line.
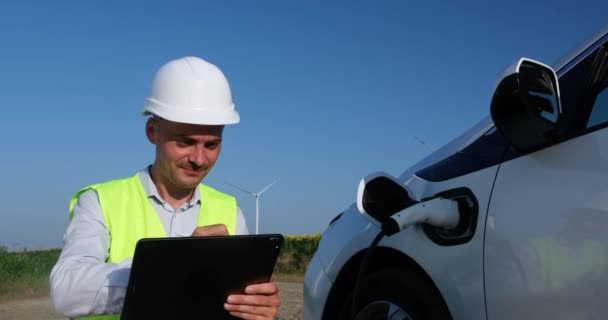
(438,212)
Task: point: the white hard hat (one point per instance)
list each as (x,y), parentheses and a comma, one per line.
(191,90)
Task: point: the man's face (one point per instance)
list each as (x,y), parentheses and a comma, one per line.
(185,153)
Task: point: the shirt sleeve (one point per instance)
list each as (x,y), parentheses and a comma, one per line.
(240,225)
(82,283)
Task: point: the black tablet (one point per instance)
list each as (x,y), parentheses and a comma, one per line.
(190,278)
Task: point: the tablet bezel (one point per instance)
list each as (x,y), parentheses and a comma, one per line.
(202,273)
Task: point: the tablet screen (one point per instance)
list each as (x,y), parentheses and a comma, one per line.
(187,278)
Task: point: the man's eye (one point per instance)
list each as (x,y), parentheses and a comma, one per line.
(183,142)
(212,145)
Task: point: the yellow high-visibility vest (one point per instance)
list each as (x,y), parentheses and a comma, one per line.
(129,216)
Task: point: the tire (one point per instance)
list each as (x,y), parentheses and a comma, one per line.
(387,292)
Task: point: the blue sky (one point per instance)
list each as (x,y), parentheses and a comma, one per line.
(327,93)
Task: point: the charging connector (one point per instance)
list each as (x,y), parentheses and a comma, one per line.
(438,212)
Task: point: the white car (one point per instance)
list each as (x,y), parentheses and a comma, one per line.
(507,221)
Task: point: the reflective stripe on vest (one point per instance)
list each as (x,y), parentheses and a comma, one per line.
(129,216)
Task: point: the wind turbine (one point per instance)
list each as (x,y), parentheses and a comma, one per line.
(257,200)
(424,144)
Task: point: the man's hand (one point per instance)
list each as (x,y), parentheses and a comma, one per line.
(211,230)
(260,301)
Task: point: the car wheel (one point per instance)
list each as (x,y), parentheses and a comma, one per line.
(397,294)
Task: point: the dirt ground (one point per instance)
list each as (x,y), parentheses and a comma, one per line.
(41,308)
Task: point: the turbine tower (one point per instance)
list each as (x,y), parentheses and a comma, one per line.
(257,200)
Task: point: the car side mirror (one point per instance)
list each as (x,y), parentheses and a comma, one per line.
(380,195)
(526,105)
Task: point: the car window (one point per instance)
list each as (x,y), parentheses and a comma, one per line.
(582,96)
(599,113)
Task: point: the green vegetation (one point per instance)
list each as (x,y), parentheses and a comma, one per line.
(296,254)
(25,273)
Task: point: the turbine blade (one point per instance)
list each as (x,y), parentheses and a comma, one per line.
(242,189)
(268,186)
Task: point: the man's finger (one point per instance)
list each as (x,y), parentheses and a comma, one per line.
(254,300)
(211,230)
(267,288)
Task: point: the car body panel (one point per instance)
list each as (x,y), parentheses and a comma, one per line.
(316,289)
(547,239)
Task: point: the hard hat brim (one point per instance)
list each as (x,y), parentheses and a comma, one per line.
(201,116)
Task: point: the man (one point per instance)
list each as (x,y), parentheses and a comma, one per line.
(190,103)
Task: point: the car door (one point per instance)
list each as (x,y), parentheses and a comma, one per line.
(546,240)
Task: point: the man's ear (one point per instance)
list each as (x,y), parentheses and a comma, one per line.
(151,130)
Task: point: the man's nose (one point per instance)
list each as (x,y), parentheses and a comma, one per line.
(198,156)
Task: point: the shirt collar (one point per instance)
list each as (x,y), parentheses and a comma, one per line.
(152,192)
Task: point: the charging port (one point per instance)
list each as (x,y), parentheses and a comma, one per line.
(464,231)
